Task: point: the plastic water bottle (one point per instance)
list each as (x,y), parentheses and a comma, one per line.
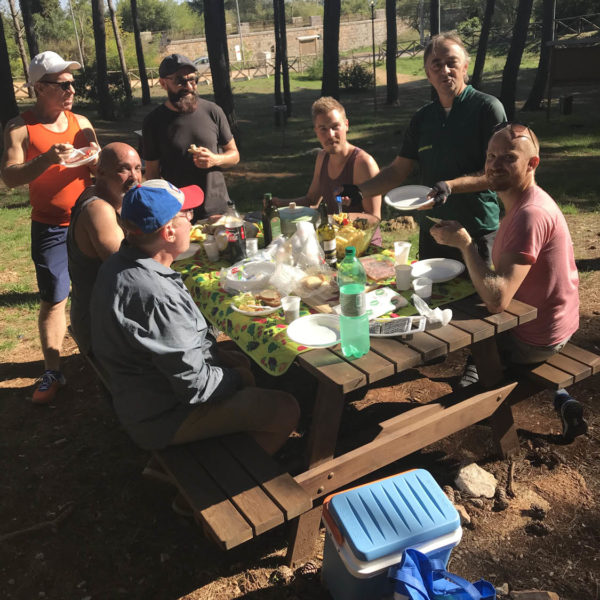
(354,320)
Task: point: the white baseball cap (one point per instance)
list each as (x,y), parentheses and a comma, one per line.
(49,62)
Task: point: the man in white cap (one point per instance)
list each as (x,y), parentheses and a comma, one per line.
(187,140)
(169,381)
(37,144)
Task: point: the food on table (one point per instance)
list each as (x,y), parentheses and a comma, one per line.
(312,282)
(193,149)
(197,233)
(378,267)
(269,297)
(353,231)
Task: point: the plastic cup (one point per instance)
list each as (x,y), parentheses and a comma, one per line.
(251,246)
(401,251)
(422,287)
(403,277)
(291,308)
(211,249)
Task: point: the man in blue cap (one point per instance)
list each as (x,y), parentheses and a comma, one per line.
(187,140)
(169,381)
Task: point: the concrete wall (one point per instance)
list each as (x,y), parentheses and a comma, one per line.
(356,34)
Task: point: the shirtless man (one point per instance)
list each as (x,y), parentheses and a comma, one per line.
(94,233)
(337,163)
(36,145)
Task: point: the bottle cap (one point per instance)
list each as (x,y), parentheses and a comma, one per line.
(350,251)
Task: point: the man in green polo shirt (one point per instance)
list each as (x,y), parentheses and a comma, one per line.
(447,139)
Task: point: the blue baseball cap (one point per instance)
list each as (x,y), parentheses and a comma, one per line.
(152,204)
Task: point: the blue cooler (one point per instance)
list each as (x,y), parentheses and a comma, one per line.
(369,527)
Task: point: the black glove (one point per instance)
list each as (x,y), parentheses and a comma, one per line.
(441,190)
(352,191)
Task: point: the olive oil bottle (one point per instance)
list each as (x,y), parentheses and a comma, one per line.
(326,235)
(270,219)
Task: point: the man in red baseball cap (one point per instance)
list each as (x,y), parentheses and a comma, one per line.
(170,382)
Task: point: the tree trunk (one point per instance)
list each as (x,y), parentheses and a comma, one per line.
(218,55)
(390,52)
(8,106)
(330,86)
(277,83)
(285,68)
(27,15)
(508,90)
(20,44)
(483,43)
(541,77)
(105,104)
(115,25)
(434,17)
(139,50)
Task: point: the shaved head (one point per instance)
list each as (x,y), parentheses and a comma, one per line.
(114,153)
(119,168)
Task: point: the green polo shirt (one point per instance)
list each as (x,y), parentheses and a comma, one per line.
(449,146)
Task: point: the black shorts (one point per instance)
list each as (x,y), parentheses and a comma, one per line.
(49,254)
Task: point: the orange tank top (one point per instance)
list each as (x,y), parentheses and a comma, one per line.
(54,192)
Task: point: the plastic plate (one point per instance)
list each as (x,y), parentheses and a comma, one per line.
(407,197)
(318,331)
(80,157)
(437,269)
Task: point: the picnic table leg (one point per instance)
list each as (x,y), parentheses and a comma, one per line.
(322,437)
(490,370)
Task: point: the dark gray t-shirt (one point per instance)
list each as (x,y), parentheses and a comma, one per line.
(167,135)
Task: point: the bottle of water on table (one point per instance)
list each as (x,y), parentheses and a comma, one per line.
(354,320)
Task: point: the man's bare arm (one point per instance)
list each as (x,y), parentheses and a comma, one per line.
(388,178)
(101,230)
(205,159)
(364,169)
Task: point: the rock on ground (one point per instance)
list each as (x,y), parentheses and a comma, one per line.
(475,481)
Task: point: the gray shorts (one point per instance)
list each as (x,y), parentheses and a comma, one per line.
(513,350)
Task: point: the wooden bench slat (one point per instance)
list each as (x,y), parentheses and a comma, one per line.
(551,376)
(220,518)
(374,366)
(455,337)
(478,328)
(245,494)
(522,311)
(578,370)
(501,321)
(402,356)
(280,486)
(430,347)
(329,367)
(583,356)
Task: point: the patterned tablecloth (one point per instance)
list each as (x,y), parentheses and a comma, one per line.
(264,338)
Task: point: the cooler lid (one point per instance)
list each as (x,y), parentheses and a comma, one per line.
(389,515)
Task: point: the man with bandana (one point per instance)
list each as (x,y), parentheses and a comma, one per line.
(187,140)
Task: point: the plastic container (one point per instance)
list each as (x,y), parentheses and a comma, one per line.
(369,527)
(354,319)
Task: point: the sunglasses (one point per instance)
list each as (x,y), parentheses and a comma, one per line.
(65,86)
(184,81)
(518,130)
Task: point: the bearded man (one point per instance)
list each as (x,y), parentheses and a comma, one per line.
(187,140)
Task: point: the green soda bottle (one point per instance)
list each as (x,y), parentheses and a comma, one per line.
(354,320)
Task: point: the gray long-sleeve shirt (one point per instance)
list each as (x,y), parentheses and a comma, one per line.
(153,341)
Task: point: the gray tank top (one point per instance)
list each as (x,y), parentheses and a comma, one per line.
(83,271)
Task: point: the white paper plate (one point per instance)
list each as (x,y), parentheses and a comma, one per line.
(256,313)
(80,157)
(189,252)
(318,331)
(407,197)
(437,269)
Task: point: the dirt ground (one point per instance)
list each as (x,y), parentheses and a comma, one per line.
(80,522)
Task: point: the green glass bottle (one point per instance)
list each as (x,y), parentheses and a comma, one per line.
(326,236)
(270,219)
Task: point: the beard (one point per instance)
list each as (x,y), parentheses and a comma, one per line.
(184,101)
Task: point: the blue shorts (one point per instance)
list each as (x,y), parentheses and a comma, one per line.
(49,254)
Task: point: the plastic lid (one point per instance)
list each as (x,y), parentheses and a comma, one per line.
(389,515)
(350,251)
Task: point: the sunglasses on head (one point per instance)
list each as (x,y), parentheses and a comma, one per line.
(65,86)
(183,81)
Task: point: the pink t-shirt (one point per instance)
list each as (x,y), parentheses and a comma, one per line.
(536,229)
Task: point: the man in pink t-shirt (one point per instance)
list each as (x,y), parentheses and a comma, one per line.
(533,262)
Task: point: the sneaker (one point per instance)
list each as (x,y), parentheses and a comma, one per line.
(571,415)
(50,383)
(470,375)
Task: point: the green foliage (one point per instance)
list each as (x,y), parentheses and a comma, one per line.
(153,15)
(355,77)
(314,72)
(187,21)
(467,29)
(87,91)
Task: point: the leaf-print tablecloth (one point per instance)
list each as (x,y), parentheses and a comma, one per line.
(264,338)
